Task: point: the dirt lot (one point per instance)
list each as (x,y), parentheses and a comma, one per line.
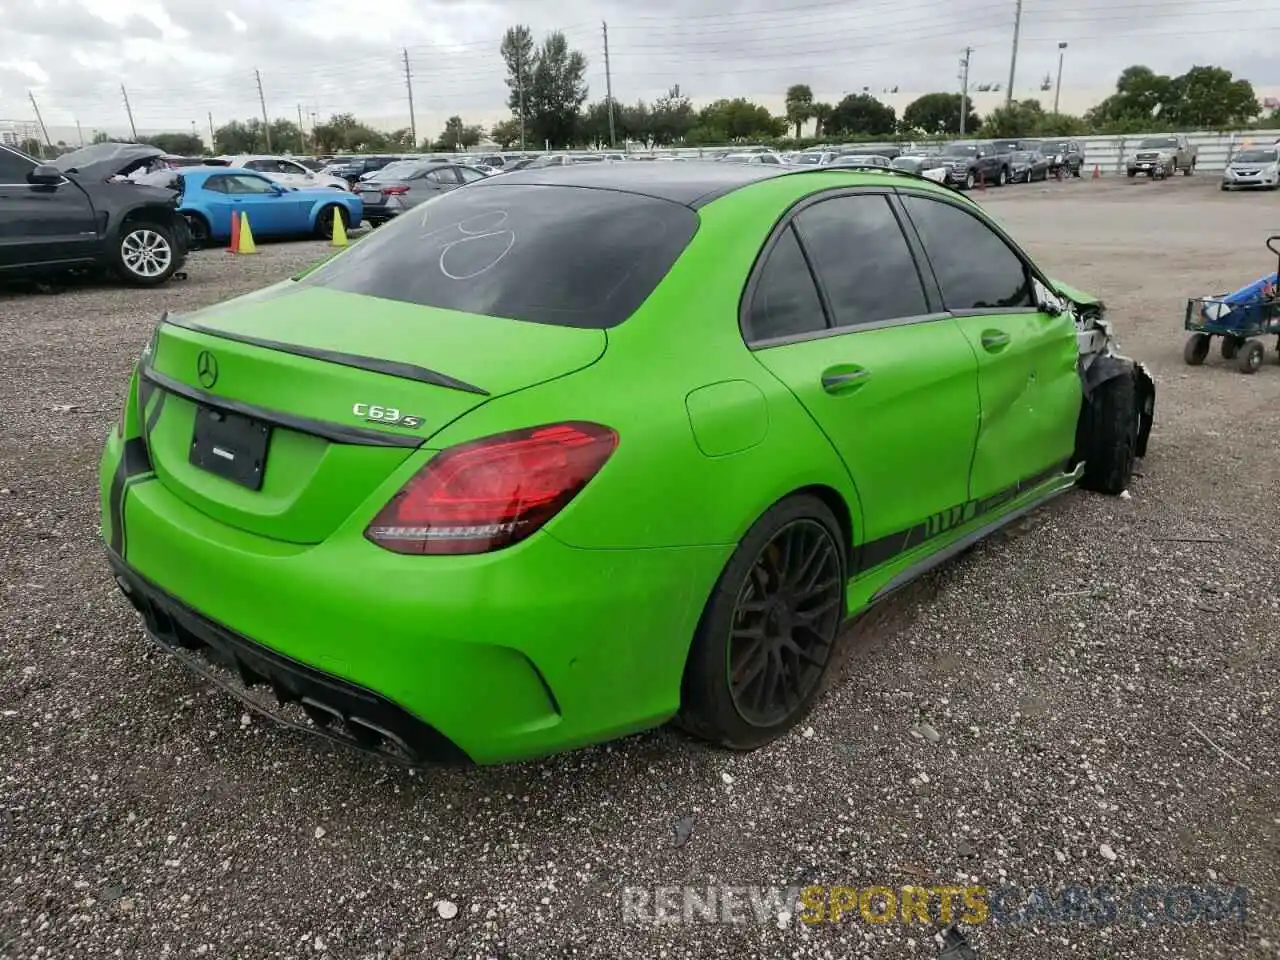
(1071,675)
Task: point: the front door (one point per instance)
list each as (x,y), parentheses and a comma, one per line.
(840,315)
(1028,377)
(42,223)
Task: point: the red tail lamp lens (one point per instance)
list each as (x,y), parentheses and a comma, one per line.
(493,492)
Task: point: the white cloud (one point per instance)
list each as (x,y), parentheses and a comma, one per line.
(182,60)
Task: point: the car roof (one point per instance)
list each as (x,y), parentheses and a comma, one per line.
(692,184)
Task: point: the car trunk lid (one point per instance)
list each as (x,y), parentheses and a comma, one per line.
(280,412)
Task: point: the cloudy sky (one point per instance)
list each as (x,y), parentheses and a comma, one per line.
(182,60)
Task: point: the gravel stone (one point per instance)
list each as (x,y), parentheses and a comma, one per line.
(1066,661)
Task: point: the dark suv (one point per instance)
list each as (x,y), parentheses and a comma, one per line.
(1064,155)
(352,168)
(79,212)
(970,164)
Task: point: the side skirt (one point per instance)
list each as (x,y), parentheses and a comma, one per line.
(929,556)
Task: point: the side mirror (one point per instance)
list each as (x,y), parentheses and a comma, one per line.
(45,175)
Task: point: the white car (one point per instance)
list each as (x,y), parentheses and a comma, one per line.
(1253,167)
(285,171)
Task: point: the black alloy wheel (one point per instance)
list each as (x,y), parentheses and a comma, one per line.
(785,623)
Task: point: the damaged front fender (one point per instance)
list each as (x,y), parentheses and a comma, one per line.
(1101,359)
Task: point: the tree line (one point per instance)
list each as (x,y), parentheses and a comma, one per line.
(547,95)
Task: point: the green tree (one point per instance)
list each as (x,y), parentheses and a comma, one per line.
(556,91)
(672,117)
(451,138)
(736,119)
(343,133)
(861,113)
(1211,97)
(250,136)
(938,113)
(101,136)
(506,133)
(1021,118)
(1141,94)
(181,144)
(822,116)
(799,105)
(518,54)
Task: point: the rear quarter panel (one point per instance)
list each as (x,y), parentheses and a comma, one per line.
(660,488)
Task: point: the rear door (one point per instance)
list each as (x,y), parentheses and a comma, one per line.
(1027,358)
(839,313)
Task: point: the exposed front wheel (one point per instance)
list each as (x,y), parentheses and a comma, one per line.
(969,181)
(1002,177)
(1108,434)
(199,228)
(769,629)
(145,255)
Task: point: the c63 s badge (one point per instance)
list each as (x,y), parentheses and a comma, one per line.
(372,413)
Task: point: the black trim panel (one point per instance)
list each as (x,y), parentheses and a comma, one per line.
(390,368)
(883,549)
(135,462)
(339,710)
(334,432)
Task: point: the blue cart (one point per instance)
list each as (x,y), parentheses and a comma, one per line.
(1239,318)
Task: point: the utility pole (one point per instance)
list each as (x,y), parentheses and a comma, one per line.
(1057,93)
(1013,57)
(262,101)
(213,141)
(608,84)
(408,85)
(39,120)
(79,133)
(964,87)
(302,137)
(129,110)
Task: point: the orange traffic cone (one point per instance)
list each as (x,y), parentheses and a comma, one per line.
(1097,171)
(246,236)
(234,245)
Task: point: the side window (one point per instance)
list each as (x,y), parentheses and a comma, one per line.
(13,168)
(862,259)
(468,175)
(975,267)
(244,184)
(288,166)
(786,301)
(259,165)
(439,176)
(217,184)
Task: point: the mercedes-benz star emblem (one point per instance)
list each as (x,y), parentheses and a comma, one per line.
(207,369)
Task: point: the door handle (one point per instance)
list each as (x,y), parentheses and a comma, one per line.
(838,381)
(994,340)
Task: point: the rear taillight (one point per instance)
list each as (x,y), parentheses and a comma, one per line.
(394,191)
(493,492)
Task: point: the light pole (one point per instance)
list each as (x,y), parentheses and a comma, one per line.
(1057,93)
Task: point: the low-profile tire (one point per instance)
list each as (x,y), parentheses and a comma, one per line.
(145,254)
(1107,439)
(1196,349)
(1252,354)
(768,632)
(198,226)
(324,221)
(1230,347)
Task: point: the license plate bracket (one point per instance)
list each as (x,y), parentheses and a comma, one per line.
(230,445)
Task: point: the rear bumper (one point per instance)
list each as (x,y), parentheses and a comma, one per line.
(531,650)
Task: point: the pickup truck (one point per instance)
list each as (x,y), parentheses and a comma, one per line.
(1160,157)
(968,164)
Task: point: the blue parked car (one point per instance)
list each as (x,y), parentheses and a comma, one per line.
(209,195)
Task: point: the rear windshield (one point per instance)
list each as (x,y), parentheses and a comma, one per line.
(568,256)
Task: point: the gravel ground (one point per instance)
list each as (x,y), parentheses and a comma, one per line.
(1063,683)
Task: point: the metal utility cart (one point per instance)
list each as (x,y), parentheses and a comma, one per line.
(1239,318)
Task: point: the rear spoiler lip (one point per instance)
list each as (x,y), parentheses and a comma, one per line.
(390,368)
(333,432)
